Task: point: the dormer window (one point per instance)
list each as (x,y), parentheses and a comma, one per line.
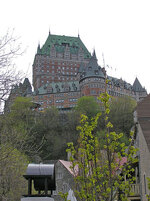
(90,68)
(96,72)
(67,89)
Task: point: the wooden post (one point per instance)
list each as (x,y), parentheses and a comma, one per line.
(46,186)
(29,186)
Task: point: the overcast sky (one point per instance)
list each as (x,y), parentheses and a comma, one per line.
(118,28)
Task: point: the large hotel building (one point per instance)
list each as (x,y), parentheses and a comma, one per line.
(64,70)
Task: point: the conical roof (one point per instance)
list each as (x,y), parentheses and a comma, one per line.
(137,87)
(92,69)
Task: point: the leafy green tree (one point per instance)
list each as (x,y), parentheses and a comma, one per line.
(17,127)
(12,168)
(87,105)
(121,114)
(57,129)
(101,171)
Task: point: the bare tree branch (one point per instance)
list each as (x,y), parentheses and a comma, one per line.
(10,49)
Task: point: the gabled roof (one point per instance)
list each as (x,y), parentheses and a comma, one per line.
(59,43)
(143,115)
(137,87)
(67,165)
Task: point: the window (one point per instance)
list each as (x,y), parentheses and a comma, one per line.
(65,188)
(93,92)
(59,101)
(59,175)
(40,109)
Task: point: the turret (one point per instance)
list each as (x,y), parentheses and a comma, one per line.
(140,92)
(92,78)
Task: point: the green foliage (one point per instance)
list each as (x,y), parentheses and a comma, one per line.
(121,114)
(57,130)
(12,168)
(101,174)
(17,126)
(87,105)
(148,196)
(64,196)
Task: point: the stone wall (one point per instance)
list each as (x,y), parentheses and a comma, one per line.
(144,164)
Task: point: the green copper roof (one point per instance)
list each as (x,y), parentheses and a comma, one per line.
(59,42)
(58,87)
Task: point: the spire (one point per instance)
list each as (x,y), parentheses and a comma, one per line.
(78,34)
(94,54)
(49,32)
(137,86)
(38,49)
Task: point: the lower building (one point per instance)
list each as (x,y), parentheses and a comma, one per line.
(64,179)
(142,119)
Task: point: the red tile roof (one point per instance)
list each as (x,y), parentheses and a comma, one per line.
(67,165)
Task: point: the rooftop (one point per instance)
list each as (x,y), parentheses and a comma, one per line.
(143,114)
(60,42)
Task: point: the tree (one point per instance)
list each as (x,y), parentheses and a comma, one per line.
(17,128)
(121,114)
(10,49)
(87,105)
(17,147)
(57,129)
(101,171)
(12,168)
